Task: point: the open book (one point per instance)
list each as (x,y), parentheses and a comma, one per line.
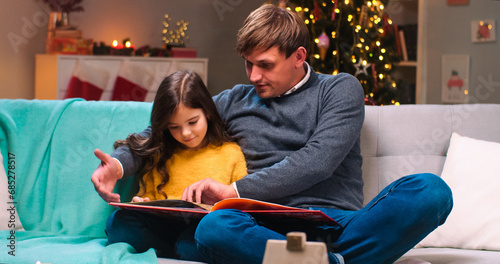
(265,212)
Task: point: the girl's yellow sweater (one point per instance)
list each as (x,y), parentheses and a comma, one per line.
(224,164)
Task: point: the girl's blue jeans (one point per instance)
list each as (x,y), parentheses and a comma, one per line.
(387,227)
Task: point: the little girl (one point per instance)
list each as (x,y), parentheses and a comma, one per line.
(188,143)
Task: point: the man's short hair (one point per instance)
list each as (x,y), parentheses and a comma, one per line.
(269,26)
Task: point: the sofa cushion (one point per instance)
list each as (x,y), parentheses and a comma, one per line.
(452,256)
(471,170)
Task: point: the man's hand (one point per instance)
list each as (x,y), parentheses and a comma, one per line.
(105,176)
(208,191)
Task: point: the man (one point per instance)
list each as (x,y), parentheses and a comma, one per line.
(300,133)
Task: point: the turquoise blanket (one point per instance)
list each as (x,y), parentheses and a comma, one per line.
(52,144)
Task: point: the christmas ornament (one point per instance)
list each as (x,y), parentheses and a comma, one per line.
(317,11)
(361,68)
(334,10)
(323,45)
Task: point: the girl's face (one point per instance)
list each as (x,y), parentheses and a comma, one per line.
(189,127)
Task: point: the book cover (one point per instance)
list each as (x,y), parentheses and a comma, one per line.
(269,213)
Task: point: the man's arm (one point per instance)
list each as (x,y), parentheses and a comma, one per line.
(105,176)
(131,164)
(338,129)
(339,124)
(121,163)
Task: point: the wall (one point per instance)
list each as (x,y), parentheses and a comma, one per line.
(212,30)
(449,33)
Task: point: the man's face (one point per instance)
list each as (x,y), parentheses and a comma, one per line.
(271,72)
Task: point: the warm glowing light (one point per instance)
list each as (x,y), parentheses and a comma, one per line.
(335,72)
(381,76)
(115,43)
(298,9)
(364,62)
(378,43)
(382,50)
(381,57)
(127,44)
(334,53)
(316,56)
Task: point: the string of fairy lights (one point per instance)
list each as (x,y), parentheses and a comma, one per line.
(174,36)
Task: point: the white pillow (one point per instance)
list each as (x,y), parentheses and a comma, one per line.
(7,221)
(472,170)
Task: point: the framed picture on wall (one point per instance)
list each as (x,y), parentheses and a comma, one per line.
(455,79)
(483,30)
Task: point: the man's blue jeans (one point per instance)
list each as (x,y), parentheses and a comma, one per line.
(390,225)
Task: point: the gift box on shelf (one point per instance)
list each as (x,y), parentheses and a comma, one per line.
(179,52)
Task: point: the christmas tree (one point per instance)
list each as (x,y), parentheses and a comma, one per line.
(353,36)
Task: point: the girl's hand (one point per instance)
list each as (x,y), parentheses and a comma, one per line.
(138,199)
(208,191)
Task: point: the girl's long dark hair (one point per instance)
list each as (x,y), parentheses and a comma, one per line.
(184,87)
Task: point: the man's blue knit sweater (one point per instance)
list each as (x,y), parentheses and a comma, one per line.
(302,149)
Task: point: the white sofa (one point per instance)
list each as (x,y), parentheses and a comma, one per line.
(48,146)
(408,139)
